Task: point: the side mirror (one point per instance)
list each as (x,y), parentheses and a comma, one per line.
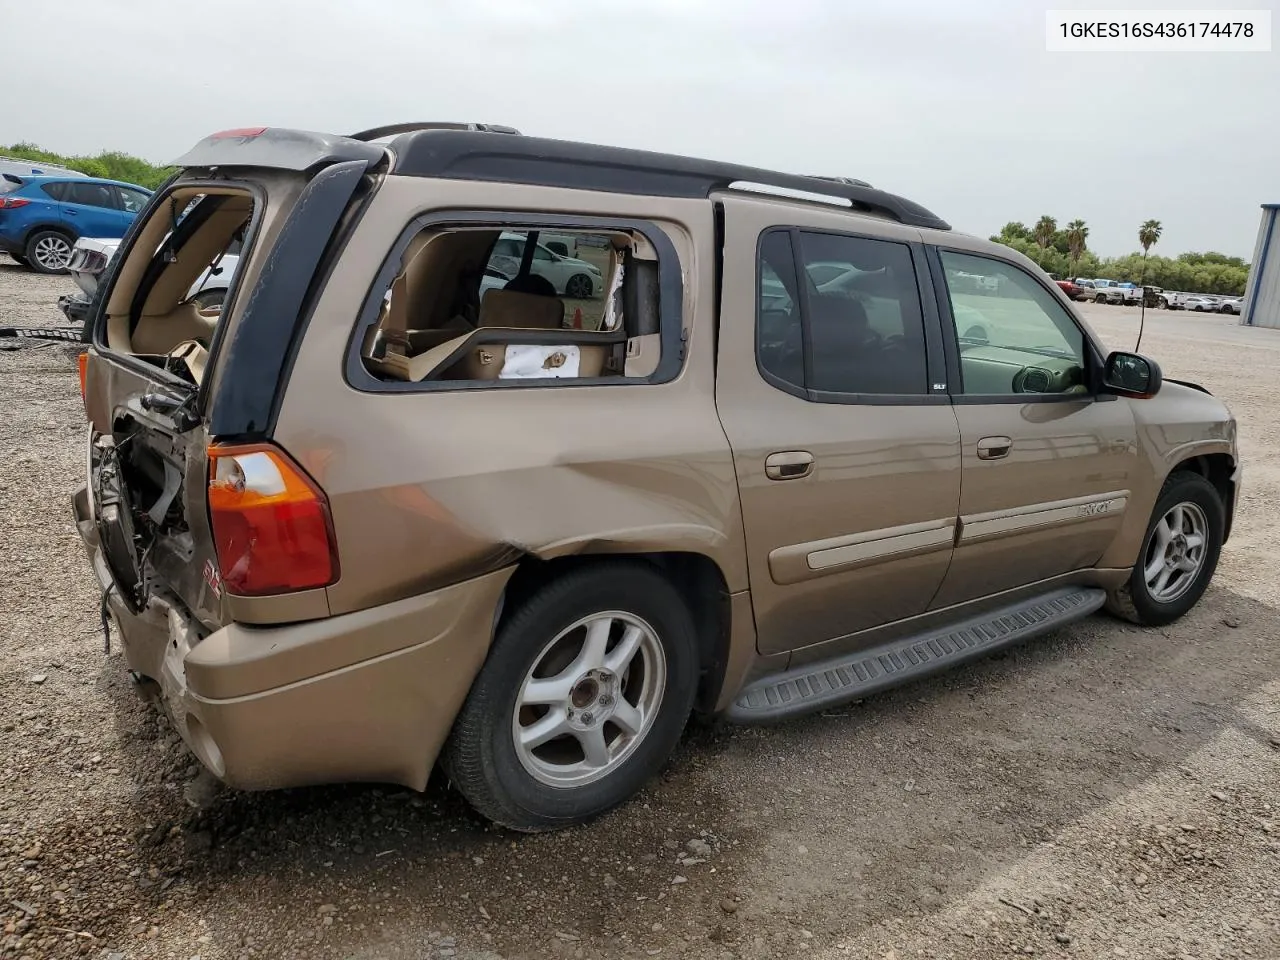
(1131,375)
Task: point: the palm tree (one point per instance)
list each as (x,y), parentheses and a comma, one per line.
(1149,235)
(1077,234)
(1044,231)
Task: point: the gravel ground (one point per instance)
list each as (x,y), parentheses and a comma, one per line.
(1106,792)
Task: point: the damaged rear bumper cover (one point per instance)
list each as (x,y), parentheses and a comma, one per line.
(367,696)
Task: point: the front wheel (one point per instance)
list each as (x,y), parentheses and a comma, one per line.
(48,251)
(583,698)
(1179,553)
(1163,303)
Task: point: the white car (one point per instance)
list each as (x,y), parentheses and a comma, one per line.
(1231,305)
(90,256)
(1199,303)
(570,276)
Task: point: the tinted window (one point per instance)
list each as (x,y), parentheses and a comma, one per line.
(56,190)
(91,194)
(779,334)
(865,323)
(1014,335)
(862,315)
(133,200)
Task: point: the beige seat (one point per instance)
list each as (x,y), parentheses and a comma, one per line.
(414,354)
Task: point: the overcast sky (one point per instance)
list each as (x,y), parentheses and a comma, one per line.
(954,104)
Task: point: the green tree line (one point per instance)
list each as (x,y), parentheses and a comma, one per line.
(110,164)
(1064,252)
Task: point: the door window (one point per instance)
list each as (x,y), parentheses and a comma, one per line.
(856,327)
(1014,335)
(92,195)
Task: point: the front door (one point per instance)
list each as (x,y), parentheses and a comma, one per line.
(1047,460)
(847,455)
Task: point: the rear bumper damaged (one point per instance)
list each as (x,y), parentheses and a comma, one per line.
(366,696)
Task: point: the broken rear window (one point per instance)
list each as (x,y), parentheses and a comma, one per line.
(495,303)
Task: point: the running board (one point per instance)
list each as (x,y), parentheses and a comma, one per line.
(815,686)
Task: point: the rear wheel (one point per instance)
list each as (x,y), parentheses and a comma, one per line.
(579,287)
(1179,553)
(583,698)
(48,251)
(1163,303)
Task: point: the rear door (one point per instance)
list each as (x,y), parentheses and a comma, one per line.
(1048,461)
(845,446)
(93,209)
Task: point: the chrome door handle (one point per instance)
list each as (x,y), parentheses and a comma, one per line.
(788,465)
(994,448)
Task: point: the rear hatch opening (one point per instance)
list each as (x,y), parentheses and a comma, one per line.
(150,313)
(177,509)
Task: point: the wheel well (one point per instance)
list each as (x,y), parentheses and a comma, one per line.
(52,227)
(697,578)
(1217,469)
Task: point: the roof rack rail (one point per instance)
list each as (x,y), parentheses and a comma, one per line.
(470,155)
(391,129)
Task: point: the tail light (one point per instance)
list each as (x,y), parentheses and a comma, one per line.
(240,133)
(271,523)
(12,203)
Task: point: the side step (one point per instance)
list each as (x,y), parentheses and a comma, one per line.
(815,686)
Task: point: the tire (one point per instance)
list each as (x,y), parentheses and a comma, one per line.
(1201,507)
(579,287)
(48,251)
(533,789)
(208,299)
(1163,303)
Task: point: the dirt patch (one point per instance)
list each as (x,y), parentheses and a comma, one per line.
(1105,792)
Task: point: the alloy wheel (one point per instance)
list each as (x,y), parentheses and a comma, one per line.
(1176,552)
(589,699)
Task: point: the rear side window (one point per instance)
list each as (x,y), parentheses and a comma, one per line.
(848,321)
(491,304)
(56,191)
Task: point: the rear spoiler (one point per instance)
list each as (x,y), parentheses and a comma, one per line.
(278,148)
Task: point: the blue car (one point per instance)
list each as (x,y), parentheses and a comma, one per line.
(42,217)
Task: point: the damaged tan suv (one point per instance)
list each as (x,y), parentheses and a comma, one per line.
(428,488)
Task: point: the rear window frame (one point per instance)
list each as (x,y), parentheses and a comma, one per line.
(106,287)
(671,322)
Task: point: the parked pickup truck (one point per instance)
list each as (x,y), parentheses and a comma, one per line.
(1124,294)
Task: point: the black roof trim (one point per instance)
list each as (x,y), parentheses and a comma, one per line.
(278,148)
(377,133)
(491,157)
